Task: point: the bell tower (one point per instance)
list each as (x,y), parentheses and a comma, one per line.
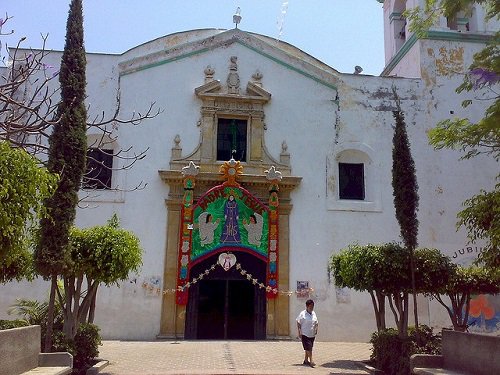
(448,46)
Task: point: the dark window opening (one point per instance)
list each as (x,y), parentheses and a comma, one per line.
(231,139)
(458,23)
(99,169)
(452,23)
(351,181)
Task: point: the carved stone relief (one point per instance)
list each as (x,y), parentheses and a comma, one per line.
(233,79)
(218,102)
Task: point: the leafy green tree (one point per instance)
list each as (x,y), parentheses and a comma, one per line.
(101,255)
(382,270)
(67,154)
(405,191)
(356,267)
(23,187)
(433,269)
(396,283)
(463,283)
(481,215)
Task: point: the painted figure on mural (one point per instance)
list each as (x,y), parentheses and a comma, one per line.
(207,227)
(231,231)
(254,228)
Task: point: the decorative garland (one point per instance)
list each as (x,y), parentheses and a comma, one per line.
(248,276)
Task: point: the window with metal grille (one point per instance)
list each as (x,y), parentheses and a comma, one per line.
(351,181)
(99,169)
(231,139)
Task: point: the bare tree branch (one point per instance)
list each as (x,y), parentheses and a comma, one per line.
(29,97)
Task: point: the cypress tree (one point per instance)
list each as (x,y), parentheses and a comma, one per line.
(404,183)
(405,191)
(67,154)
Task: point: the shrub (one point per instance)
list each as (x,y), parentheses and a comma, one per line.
(9,324)
(86,342)
(424,341)
(84,347)
(391,354)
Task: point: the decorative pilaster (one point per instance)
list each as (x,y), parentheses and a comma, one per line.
(274,177)
(189,174)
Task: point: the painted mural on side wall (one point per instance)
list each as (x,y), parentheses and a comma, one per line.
(484,310)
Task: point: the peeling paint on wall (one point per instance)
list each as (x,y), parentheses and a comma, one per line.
(450,61)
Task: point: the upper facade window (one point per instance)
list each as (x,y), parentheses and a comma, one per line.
(231,139)
(351,181)
(99,169)
(458,22)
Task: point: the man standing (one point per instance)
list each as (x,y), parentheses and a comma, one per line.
(307,324)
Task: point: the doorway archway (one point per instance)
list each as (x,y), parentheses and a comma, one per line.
(225,305)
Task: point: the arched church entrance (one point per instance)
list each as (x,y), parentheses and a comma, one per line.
(207,221)
(225,304)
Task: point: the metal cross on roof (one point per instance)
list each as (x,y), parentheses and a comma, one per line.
(237,17)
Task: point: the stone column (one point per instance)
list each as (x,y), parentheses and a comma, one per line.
(168,325)
(282,303)
(256,125)
(208,135)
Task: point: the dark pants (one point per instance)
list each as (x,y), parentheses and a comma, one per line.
(307,343)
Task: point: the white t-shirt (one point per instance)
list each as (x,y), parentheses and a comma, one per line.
(308,323)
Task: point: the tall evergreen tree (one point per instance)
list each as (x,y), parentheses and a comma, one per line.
(405,191)
(67,154)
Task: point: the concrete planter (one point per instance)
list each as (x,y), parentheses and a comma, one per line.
(98,367)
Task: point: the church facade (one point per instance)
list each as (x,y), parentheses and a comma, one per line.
(262,163)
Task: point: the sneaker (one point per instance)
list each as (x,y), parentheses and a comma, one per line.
(306,363)
(312,364)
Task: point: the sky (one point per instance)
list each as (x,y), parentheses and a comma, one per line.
(341,33)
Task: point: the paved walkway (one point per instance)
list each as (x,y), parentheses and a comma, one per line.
(230,357)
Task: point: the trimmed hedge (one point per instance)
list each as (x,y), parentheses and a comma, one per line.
(391,354)
(9,324)
(84,347)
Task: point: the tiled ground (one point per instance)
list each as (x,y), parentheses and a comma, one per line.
(230,357)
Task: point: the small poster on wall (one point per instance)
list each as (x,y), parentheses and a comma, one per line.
(343,295)
(303,289)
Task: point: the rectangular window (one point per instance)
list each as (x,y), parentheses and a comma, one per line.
(99,169)
(231,139)
(351,181)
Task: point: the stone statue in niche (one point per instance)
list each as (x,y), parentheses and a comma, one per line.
(233,79)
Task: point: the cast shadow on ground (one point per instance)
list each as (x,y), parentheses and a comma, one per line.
(343,364)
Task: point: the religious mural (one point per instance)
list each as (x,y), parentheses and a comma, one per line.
(228,218)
